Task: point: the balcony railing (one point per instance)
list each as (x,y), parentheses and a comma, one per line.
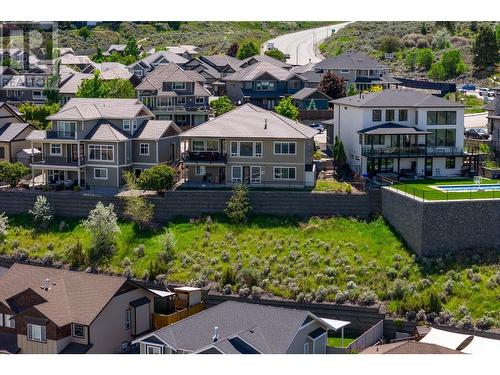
(62,161)
(205,156)
(413,151)
(60,134)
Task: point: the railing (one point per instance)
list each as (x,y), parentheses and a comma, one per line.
(162,320)
(60,134)
(205,156)
(423,151)
(61,160)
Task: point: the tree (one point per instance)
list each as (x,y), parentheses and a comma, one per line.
(120,88)
(174,25)
(37,114)
(449,25)
(411,59)
(441,40)
(12,173)
(138,210)
(75,255)
(390,44)
(473,26)
(339,152)
(158,178)
(312,105)
(449,66)
(333,86)
(233,49)
(423,29)
(131,49)
(286,108)
(4,226)
(485,48)
(424,58)
(42,213)
(98,57)
(167,242)
(221,105)
(352,90)
(93,88)
(247,49)
(238,206)
(375,88)
(102,226)
(51,90)
(276,54)
(84,32)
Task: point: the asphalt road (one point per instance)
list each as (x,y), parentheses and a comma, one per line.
(476,120)
(302,46)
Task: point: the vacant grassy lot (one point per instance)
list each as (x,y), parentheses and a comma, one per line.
(337,259)
(426,189)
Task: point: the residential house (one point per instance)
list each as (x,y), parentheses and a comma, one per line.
(17,88)
(358,69)
(120,49)
(13,132)
(311,98)
(78,62)
(185,50)
(249,145)
(142,67)
(48,311)
(224,64)
(174,94)
(263,84)
(258,58)
(241,328)
(400,131)
(93,141)
(493,109)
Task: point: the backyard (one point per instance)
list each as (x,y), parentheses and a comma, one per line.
(338,260)
(430,189)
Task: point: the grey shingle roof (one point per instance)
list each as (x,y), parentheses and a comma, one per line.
(155,129)
(269,59)
(306,92)
(299,69)
(221,61)
(392,128)
(276,326)
(255,70)
(349,60)
(167,55)
(104,131)
(248,121)
(397,98)
(9,132)
(311,76)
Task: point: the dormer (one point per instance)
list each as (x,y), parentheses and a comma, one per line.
(130,125)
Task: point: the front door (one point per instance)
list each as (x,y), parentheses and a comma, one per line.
(222,174)
(428,167)
(246,174)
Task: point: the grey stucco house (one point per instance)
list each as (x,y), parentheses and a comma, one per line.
(93,141)
(493,109)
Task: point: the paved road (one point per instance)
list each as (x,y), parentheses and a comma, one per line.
(476,120)
(305,43)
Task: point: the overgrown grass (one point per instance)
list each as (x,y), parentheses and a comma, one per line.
(332,186)
(336,259)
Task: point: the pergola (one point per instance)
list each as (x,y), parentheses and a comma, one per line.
(337,325)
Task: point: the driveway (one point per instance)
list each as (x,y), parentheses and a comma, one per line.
(476,120)
(303,46)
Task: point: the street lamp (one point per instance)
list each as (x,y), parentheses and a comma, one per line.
(297,52)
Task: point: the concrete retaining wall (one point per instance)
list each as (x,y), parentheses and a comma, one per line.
(432,228)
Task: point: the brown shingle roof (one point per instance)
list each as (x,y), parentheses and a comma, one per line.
(73,296)
(409,347)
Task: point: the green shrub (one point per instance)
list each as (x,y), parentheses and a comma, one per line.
(42,213)
(75,255)
(4,226)
(238,206)
(12,173)
(158,178)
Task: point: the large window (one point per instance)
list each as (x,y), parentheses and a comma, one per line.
(179,85)
(2,152)
(285,148)
(403,115)
(212,145)
(284,173)
(56,149)
(153,349)
(144,149)
(100,173)
(181,100)
(198,145)
(9,321)
(246,149)
(78,330)
(265,86)
(36,333)
(376,140)
(66,129)
(236,173)
(389,115)
(441,118)
(442,138)
(205,145)
(101,152)
(376,115)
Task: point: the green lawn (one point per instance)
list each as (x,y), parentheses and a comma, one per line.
(337,341)
(332,186)
(424,189)
(319,259)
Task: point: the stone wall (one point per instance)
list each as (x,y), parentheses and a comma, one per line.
(432,228)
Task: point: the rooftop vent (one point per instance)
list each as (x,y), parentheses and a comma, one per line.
(265,127)
(215,337)
(46,285)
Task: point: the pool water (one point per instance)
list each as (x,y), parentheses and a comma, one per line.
(468,188)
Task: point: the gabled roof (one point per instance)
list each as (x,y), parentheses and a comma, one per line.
(10,131)
(248,121)
(104,131)
(266,328)
(71,83)
(256,70)
(258,58)
(311,76)
(392,128)
(409,347)
(307,92)
(99,108)
(221,61)
(72,296)
(12,110)
(167,55)
(349,60)
(299,69)
(397,98)
(155,129)
(184,48)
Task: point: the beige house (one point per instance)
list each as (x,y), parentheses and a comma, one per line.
(249,145)
(48,311)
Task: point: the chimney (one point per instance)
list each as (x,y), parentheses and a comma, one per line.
(497,100)
(265,127)
(215,337)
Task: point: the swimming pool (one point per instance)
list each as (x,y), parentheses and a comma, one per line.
(467,188)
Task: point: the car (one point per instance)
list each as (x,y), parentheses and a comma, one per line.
(483,91)
(318,126)
(476,133)
(468,87)
(491,93)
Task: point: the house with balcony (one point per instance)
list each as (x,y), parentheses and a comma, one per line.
(172,93)
(249,145)
(17,88)
(262,83)
(399,131)
(356,68)
(93,141)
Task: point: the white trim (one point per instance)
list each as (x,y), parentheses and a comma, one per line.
(101,169)
(148,149)
(202,169)
(73,330)
(285,153)
(100,147)
(285,179)
(238,149)
(55,153)
(126,125)
(152,346)
(260,174)
(240,179)
(43,333)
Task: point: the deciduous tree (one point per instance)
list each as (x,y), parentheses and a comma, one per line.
(247,49)
(276,54)
(221,105)
(286,108)
(333,86)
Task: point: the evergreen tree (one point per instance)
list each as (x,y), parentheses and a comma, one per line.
(312,105)
(238,206)
(485,48)
(352,90)
(131,48)
(248,49)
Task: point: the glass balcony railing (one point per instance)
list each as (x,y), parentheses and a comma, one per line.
(375,151)
(60,134)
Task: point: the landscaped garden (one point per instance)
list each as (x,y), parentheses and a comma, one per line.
(429,189)
(339,260)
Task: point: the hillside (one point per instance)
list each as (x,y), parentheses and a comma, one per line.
(366,37)
(215,37)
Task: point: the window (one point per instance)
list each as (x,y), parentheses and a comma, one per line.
(344,71)
(138,72)
(255,174)
(179,85)
(101,173)
(1,320)
(376,139)
(198,145)
(258,149)
(66,129)
(376,115)
(144,149)
(284,148)
(9,321)
(236,173)
(152,349)
(126,124)
(360,139)
(56,149)
(38,95)
(265,86)
(284,173)
(101,152)
(128,319)
(125,345)
(441,138)
(389,115)
(78,330)
(134,124)
(441,118)
(200,170)
(416,117)
(294,84)
(181,100)
(2,152)
(36,333)
(199,100)
(450,163)
(246,149)
(403,115)
(212,145)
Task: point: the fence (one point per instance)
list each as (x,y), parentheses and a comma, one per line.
(369,338)
(161,320)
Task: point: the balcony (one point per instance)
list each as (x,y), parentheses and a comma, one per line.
(409,152)
(207,157)
(59,134)
(61,161)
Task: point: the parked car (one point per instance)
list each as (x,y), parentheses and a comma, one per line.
(270,45)
(491,93)
(318,127)
(483,91)
(467,87)
(476,133)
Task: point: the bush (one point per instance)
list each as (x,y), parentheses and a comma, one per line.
(367,298)
(421,316)
(42,213)
(74,255)
(341,297)
(422,43)
(424,58)
(139,251)
(167,254)
(4,226)
(441,40)
(228,277)
(138,210)
(222,105)
(249,277)
(12,173)
(238,206)
(389,44)
(486,322)
(449,66)
(48,258)
(20,255)
(276,54)
(158,178)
